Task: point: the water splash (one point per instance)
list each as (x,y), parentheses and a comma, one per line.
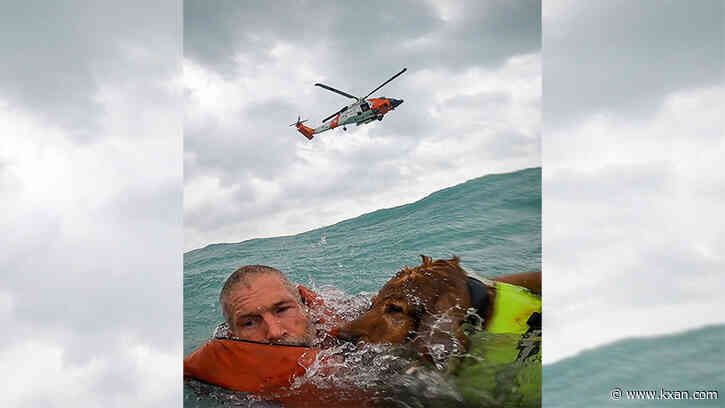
(397,376)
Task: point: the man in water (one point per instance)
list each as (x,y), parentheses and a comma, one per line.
(259,303)
(268,313)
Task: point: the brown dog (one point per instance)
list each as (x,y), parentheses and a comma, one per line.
(424,305)
(427,306)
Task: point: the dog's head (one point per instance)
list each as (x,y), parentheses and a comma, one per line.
(425,305)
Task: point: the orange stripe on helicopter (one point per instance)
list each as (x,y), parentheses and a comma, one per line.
(335,121)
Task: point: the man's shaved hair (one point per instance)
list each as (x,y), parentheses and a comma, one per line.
(245,276)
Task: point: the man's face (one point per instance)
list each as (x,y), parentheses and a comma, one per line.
(266,312)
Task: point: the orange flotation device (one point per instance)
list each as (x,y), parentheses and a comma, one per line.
(251,366)
(248,366)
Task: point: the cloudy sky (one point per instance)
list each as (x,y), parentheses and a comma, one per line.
(472,107)
(633,175)
(91,209)
(91,118)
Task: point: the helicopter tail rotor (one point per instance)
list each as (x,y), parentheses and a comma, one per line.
(308,132)
(299,122)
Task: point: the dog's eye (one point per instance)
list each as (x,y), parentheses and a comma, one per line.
(393,309)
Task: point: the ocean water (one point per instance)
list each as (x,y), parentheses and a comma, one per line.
(690,361)
(493,223)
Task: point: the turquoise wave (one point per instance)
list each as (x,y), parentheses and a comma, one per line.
(493,223)
(689,361)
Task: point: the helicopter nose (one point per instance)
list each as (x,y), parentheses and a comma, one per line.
(395,102)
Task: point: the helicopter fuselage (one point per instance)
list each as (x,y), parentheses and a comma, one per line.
(360,113)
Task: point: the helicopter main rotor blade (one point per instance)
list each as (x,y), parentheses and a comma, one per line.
(385,83)
(334,114)
(329,88)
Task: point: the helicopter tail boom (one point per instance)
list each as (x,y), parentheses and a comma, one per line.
(307,131)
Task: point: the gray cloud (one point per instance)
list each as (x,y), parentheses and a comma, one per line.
(252,70)
(58,54)
(233,153)
(514,144)
(485,33)
(91,184)
(632,164)
(624,58)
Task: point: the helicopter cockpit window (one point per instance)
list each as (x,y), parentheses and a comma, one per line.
(364,106)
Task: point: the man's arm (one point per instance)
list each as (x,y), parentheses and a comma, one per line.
(529,280)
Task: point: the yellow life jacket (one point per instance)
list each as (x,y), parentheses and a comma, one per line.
(514,306)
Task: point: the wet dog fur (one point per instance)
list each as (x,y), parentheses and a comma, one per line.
(425,306)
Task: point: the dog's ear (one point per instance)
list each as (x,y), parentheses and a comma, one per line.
(426,260)
(440,334)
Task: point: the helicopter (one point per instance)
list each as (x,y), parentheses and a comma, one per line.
(360,112)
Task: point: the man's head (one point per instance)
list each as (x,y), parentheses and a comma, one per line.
(260,304)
